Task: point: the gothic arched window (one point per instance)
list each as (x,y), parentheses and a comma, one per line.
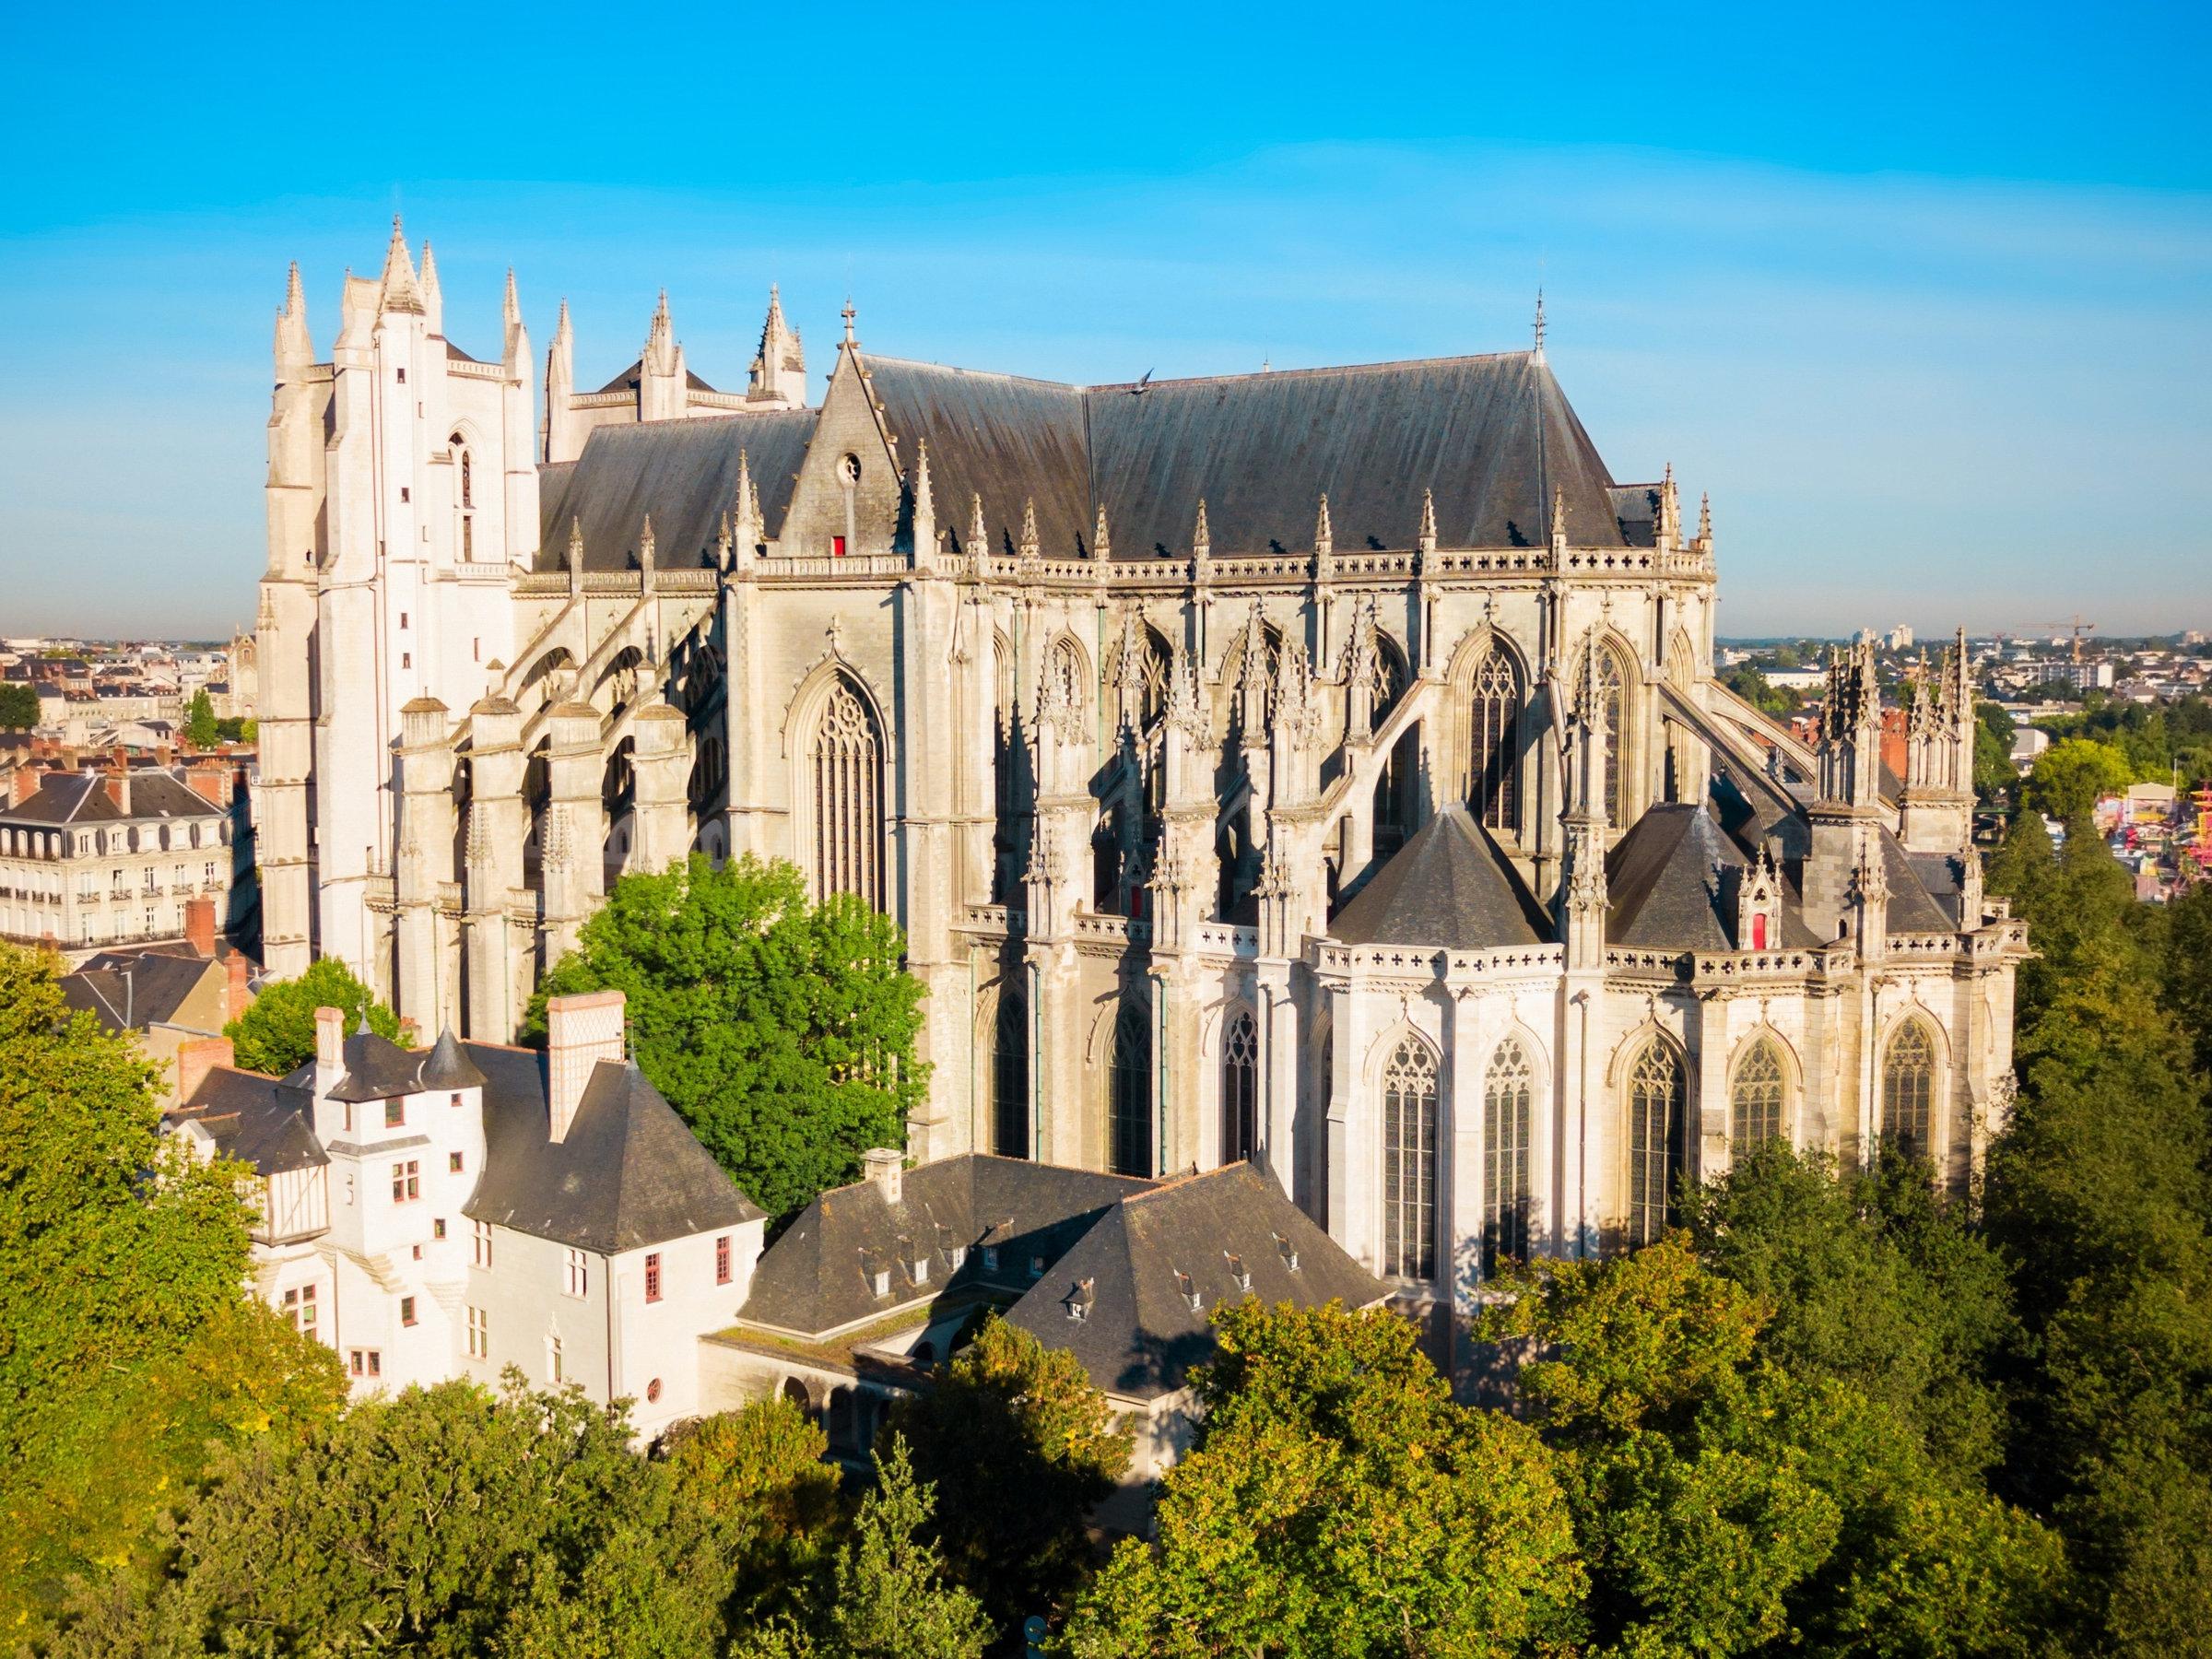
(1508,1088)
(1909,1089)
(848,799)
(1755,1100)
(1239,1088)
(1066,668)
(1010,1078)
(1611,678)
(1493,732)
(1129,1092)
(1391,677)
(1409,1162)
(1655,1100)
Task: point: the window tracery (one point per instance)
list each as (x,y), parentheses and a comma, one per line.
(1409,1162)
(1508,1089)
(1656,1093)
(1755,1100)
(1494,723)
(1909,1089)
(848,798)
(1239,1088)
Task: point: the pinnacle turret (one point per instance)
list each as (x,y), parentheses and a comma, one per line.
(398,291)
(1202,539)
(1324,539)
(433,296)
(1428,542)
(1100,547)
(295,350)
(979,534)
(1030,545)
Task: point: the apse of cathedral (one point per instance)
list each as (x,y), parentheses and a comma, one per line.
(1324,767)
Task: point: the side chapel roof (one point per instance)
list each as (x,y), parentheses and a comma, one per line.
(1449,887)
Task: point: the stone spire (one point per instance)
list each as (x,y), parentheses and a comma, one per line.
(779,371)
(925,509)
(1202,539)
(660,341)
(1538,355)
(979,536)
(1358,671)
(1031,546)
(398,291)
(1101,546)
(575,557)
(295,351)
(514,339)
(1428,536)
(433,296)
(645,550)
(1324,539)
(564,439)
(1705,522)
(1669,536)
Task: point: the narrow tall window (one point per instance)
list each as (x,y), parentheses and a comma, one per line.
(480,1335)
(1129,1091)
(1409,1162)
(395,1113)
(1010,1077)
(1507,1089)
(1755,1100)
(653,1278)
(722,1259)
(1493,733)
(480,1233)
(1909,1089)
(848,813)
(469,480)
(1655,1097)
(1610,680)
(579,1279)
(1239,1089)
(407,1181)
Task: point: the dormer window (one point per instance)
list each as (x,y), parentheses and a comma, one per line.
(1189,1292)
(990,1258)
(958,1256)
(1081,1298)
(1290,1253)
(881,1284)
(1238,1271)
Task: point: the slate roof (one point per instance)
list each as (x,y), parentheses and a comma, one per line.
(265,1122)
(1666,879)
(82,798)
(377,1068)
(629,1175)
(629,379)
(1912,908)
(817,1277)
(1449,887)
(1492,438)
(136,992)
(1136,1270)
(682,472)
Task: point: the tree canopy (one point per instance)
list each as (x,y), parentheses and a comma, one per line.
(1020,1446)
(201,729)
(276,1033)
(127,1343)
(781,1031)
(18,706)
(2072,775)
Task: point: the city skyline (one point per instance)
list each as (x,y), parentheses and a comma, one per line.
(1933,342)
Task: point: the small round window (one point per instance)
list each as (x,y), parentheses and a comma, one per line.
(653,1390)
(849,469)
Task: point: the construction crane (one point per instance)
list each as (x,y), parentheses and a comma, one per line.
(2075,623)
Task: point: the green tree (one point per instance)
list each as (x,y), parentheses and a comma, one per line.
(1020,1446)
(1339,1503)
(1724,1504)
(18,706)
(1752,685)
(126,1343)
(889,1600)
(200,728)
(781,1031)
(1874,1279)
(277,1033)
(1994,773)
(442,1521)
(2072,776)
(2099,1193)
(763,1463)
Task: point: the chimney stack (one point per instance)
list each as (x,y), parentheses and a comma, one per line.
(238,994)
(119,788)
(24,783)
(330,1039)
(580,1032)
(886,1172)
(208,783)
(199,925)
(196,1059)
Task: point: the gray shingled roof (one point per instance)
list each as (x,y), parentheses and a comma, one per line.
(817,1277)
(682,472)
(1449,887)
(1666,881)
(148,990)
(1135,1271)
(629,1174)
(265,1122)
(377,1068)
(1491,437)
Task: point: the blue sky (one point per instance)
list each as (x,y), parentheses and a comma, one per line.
(1921,297)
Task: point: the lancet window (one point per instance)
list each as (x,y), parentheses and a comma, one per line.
(1755,1100)
(1129,1092)
(848,798)
(1493,732)
(1409,1162)
(1239,1088)
(1611,678)
(1508,1088)
(1010,1077)
(1909,1089)
(1656,1093)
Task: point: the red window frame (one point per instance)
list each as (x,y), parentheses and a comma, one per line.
(722,1260)
(653,1278)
